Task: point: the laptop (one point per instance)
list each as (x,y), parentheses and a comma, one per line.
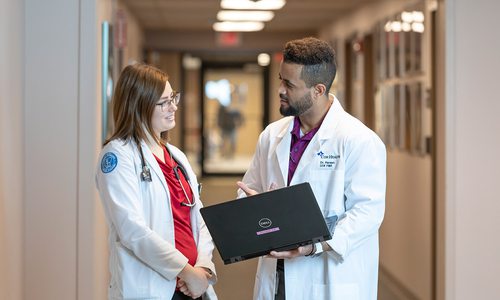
(279,220)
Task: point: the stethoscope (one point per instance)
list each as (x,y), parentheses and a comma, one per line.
(146,175)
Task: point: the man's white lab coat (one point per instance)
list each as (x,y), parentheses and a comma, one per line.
(345,163)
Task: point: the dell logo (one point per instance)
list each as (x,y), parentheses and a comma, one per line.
(265,222)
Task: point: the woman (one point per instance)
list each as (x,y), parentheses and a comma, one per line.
(159,245)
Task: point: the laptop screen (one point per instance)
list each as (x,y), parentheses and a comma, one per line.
(279,220)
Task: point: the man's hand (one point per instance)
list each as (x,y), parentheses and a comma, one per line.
(251,192)
(246,189)
(193,281)
(301,251)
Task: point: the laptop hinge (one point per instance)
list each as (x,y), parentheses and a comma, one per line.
(235,259)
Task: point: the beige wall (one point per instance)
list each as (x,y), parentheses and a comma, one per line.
(11,149)
(49,116)
(94,271)
(60,141)
(406,234)
(135,37)
(472,145)
(97,289)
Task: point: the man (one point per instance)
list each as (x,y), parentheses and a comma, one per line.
(345,163)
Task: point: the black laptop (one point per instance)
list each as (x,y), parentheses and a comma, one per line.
(281,219)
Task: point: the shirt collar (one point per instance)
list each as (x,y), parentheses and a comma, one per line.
(296,130)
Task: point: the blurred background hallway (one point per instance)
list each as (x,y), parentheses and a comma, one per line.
(420,73)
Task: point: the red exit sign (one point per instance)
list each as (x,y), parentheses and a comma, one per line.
(228,39)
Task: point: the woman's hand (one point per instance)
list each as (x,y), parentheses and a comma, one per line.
(193,281)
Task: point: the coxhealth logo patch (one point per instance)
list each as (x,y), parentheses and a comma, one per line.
(108,162)
(327,161)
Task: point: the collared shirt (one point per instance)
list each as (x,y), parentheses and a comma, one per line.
(184,240)
(298,146)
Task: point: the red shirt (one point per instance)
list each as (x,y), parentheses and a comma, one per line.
(184,241)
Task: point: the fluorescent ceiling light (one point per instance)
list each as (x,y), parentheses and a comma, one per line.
(238,26)
(407,17)
(418,16)
(245,15)
(248,4)
(396,26)
(406,27)
(387,26)
(417,27)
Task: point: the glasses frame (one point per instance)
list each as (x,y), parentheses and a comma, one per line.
(175,98)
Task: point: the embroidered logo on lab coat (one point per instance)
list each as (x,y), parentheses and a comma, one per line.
(327,161)
(108,162)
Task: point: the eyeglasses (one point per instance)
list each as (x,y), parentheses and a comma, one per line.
(175,97)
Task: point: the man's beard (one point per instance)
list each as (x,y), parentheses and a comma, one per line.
(298,108)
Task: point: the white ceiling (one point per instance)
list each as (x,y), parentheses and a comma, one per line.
(199,15)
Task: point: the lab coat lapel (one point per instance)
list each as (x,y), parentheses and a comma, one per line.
(322,136)
(332,119)
(153,165)
(306,160)
(282,153)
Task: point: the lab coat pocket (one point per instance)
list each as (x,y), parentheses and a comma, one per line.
(336,291)
(346,291)
(133,274)
(328,187)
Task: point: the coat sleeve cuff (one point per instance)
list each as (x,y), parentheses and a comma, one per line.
(177,266)
(209,266)
(339,244)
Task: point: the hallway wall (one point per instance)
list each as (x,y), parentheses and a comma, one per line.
(59,65)
(11,149)
(406,233)
(472,144)
(49,128)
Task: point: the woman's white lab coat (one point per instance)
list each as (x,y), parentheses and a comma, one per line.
(345,164)
(144,262)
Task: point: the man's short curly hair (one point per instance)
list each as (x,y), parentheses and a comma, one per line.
(317,57)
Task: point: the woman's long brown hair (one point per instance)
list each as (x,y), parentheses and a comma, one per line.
(137,91)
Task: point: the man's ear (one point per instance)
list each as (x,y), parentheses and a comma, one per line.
(319,90)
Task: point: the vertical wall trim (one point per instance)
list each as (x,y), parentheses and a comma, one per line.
(77,190)
(450,148)
(88,144)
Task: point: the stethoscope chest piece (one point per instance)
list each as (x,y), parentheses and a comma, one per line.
(146,174)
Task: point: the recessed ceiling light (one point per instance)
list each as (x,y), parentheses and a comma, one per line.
(248,4)
(245,15)
(263,59)
(238,26)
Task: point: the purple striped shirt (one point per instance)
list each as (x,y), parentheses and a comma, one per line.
(298,146)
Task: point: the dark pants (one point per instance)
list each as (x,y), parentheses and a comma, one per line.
(180,296)
(280,273)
